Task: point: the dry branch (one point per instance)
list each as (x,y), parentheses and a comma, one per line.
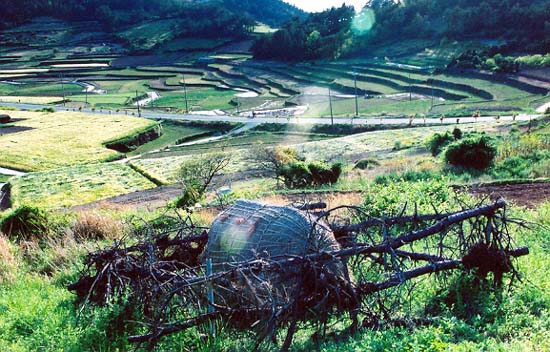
(168,280)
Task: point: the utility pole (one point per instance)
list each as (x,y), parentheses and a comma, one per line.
(330,104)
(432,93)
(355,85)
(62,87)
(86,95)
(185,93)
(410,88)
(137,103)
(237,100)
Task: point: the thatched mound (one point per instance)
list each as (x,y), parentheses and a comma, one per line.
(251,230)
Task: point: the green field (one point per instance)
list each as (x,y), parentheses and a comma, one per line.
(198,99)
(76,185)
(173,132)
(193,44)
(36,89)
(303,84)
(43,141)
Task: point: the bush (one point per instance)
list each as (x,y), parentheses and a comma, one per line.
(196,175)
(438,141)
(457,133)
(92,226)
(408,176)
(24,223)
(191,196)
(8,261)
(296,174)
(368,163)
(324,174)
(5,118)
(475,152)
(300,174)
(523,166)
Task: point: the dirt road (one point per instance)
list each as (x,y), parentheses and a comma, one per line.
(529,194)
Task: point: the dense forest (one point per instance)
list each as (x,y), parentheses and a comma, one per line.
(523,25)
(321,35)
(215,14)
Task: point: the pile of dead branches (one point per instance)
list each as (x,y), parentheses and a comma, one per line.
(174,288)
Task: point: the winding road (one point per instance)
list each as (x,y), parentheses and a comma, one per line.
(284,120)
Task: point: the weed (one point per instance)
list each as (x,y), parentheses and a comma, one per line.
(24,223)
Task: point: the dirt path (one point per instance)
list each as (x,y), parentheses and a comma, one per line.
(529,194)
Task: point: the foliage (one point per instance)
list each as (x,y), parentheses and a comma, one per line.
(537,60)
(408,176)
(321,35)
(483,61)
(301,174)
(9,265)
(25,222)
(438,141)
(522,156)
(388,199)
(475,152)
(368,163)
(196,175)
(521,22)
(271,160)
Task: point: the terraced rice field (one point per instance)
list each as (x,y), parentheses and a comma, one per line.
(214,83)
(37,141)
(76,185)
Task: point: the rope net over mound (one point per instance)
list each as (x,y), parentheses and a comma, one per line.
(253,231)
(267,269)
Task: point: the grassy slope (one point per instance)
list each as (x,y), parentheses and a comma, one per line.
(56,139)
(32,89)
(172,133)
(76,185)
(165,164)
(198,99)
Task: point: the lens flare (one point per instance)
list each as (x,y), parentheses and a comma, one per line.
(363,21)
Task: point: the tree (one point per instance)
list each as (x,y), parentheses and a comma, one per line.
(196,175)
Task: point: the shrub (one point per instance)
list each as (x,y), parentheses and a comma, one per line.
(296,174)
(323,174)
(368,163)
(24,223)
(191,196)
(409,176)
(5,118)
(475,152)
(534,164)
(457,133)
(398,145)
(196,175)
(92,226)
(300,174)
(438,141)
